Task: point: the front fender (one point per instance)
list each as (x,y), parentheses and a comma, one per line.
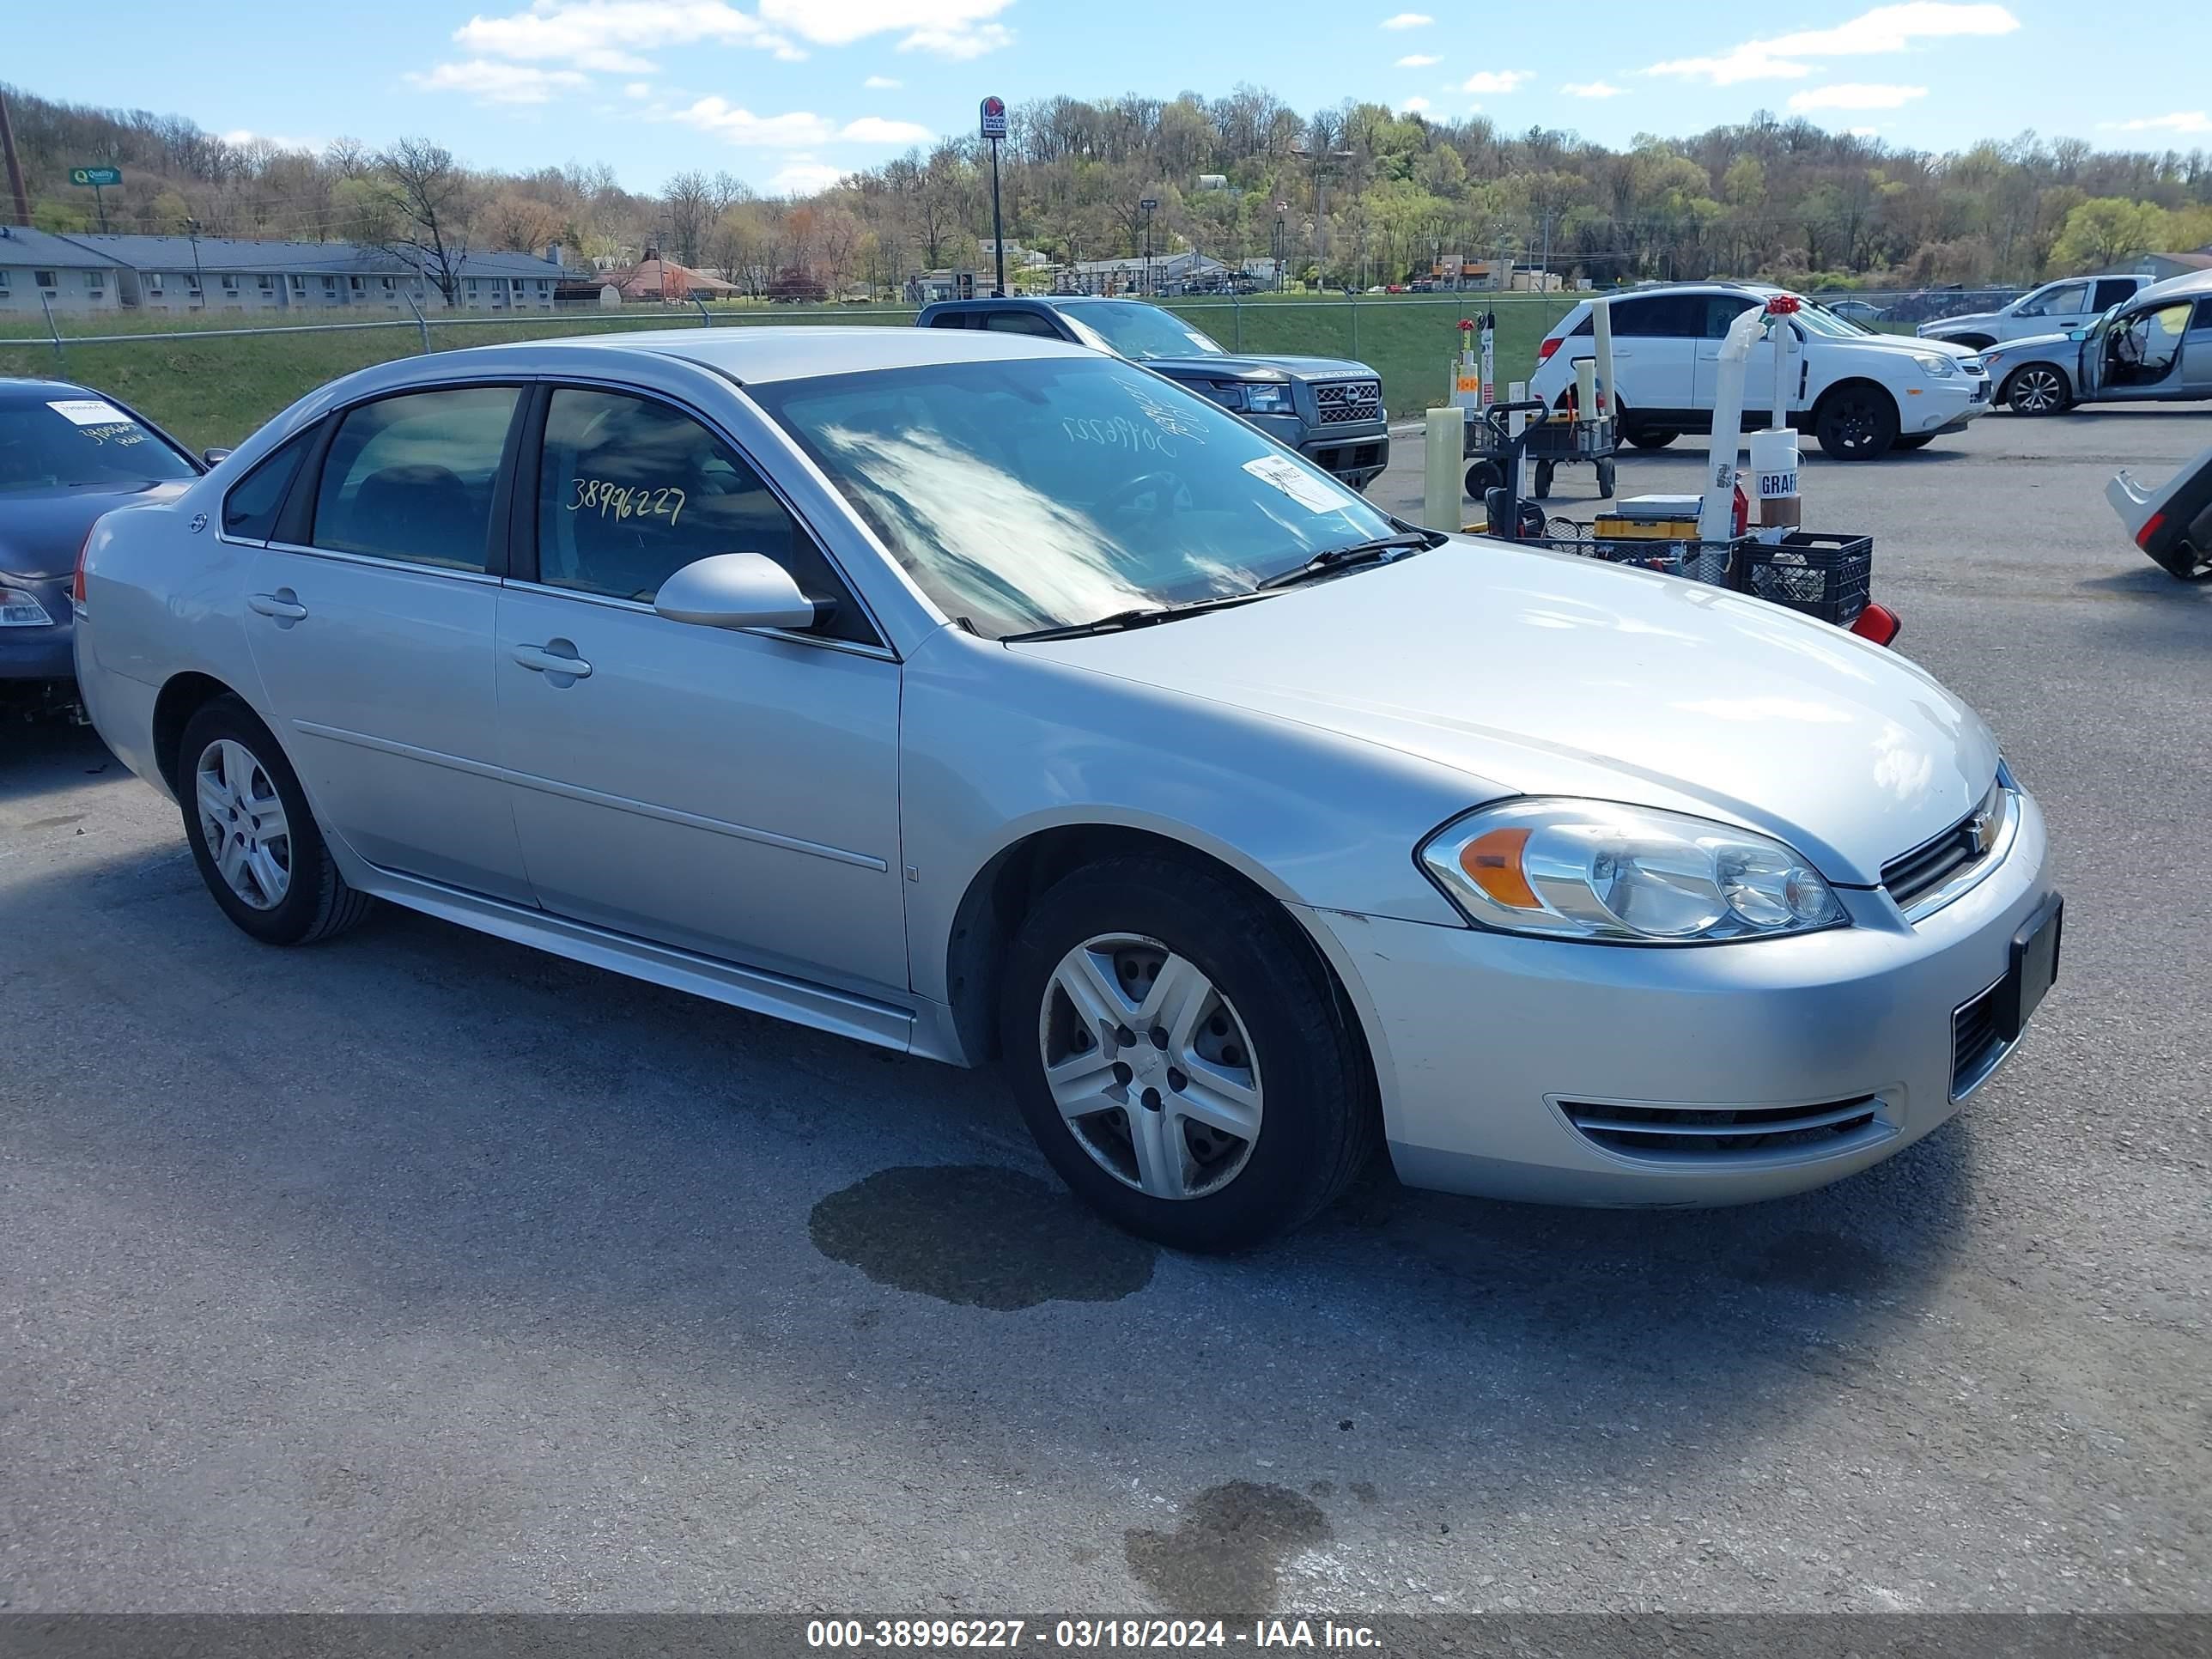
(997,746)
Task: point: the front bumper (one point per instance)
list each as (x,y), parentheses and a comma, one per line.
(1357,454)
(40,654)
(1946,406)
(1484,1045)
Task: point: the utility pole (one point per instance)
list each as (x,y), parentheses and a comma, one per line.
(1544,270)
(14,167)
(1148,204)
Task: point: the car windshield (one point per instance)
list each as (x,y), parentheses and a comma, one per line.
(70,440)
(1816,319)
(1141,333)
(1051,492)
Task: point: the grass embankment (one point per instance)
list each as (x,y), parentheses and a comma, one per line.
(215,392)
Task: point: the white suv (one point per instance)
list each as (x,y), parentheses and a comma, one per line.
(1861,393)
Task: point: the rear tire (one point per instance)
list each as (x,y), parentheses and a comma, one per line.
(1650,437)
(1605,479)
(252,833)
(2037,389)
(1227,1011)
(1856,422)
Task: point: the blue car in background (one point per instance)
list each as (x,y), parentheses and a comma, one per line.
(68,454)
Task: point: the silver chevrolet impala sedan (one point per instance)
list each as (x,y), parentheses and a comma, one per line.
(987,698)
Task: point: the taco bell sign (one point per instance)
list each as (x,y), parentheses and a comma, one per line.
(994,117)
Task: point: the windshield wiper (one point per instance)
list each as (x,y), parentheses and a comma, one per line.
(1332,559)
(1143,616)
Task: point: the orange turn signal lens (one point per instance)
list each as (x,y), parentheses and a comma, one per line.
(1492,862)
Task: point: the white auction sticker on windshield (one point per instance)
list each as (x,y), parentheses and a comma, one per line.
(1294,481)
(87,412)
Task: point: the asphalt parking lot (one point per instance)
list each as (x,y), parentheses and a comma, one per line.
(419,1271)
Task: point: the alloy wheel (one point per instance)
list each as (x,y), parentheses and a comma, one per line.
(1150,1067)
(2037,391)
(242,821)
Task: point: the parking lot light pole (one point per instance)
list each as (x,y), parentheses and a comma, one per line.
(1148,204)
(199,283)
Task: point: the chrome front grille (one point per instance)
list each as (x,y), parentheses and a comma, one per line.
(1339,402)
(1923,875)
(1676,1134)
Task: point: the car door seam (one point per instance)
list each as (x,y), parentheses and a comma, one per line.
(594,797)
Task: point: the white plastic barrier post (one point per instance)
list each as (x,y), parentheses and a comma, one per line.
(1525,486)
(1585,389)
(1441,502)
(1774,475)
(1602,330)
(1717,512)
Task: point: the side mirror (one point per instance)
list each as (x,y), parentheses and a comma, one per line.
(736,590)
(212,456)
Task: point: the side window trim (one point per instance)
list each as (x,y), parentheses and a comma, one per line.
(311,439)
(295,523)
(523,555)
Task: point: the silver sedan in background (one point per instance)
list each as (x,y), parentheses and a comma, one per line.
(985,697)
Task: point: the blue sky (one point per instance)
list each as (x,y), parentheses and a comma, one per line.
(787,93)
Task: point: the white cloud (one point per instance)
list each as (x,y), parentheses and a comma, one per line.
(2193,120)
(741,126)
(958,41)
(1414,105)
(1855,94)
(803,176)
(841,22)
(1592,90)
(1409,19)
(874,130)
(242,136)
(497,83)
(609,35)
(882,83)
(1496,80)
(638,89)
(1883,29)
(1417,60)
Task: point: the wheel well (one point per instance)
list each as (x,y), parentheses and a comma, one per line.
(183,697)
(1820,407)
(1004,890)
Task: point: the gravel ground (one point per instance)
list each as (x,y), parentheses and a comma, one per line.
(421,1271)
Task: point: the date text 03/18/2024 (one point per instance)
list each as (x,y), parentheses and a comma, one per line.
(1082,1635)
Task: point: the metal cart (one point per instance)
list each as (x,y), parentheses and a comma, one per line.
(1549,443)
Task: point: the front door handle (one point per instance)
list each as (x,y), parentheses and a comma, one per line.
(556,658)
(283,604)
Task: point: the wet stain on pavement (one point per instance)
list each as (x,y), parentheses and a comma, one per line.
(1827,1264)
(1226,1554)
(978,1236)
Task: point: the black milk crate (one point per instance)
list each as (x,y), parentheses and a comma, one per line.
(1820,574)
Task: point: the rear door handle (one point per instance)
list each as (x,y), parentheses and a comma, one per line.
(556,658)
(283,605)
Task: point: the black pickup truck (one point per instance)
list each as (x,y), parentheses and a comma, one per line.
(1328,410)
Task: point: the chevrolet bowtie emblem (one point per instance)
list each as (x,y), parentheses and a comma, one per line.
(1982,831)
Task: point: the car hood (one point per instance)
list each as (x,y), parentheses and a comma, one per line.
(1917,343)
(1974,320)
(40,529)
(2058,346)
(1240,367)
(1543,673)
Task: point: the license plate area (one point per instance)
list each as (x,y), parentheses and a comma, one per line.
(2033,968)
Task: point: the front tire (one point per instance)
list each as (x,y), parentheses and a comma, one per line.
(1856,422)
(1916,440)
(253,835)
(2038,389)
(1181,1057)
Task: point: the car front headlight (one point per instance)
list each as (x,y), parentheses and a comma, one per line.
(21,609)
(1597,870)
(1940,368)
(1264,399)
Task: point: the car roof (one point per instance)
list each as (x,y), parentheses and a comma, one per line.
(38,388)
(2188,285)
(756,355)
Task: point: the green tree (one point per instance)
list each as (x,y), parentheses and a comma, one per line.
(2107,230)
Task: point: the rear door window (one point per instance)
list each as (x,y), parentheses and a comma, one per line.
(2110,291)
(1660,316)
(1020,322)
(412,477)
